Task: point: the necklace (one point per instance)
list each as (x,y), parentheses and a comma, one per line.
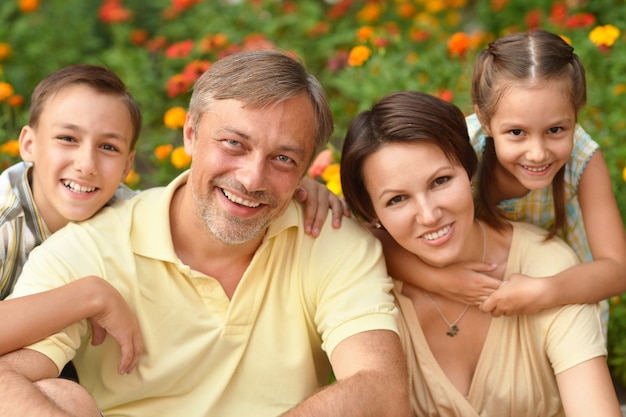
(454,328)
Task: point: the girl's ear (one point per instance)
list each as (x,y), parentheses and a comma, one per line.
(27,144)
(482,120)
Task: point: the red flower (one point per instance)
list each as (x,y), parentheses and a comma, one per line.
(458,44)
(194,70)
(445,95)
(339,9)
(558,14)
(581,20)
(138,36)
(157,43)
(176,85)
(111,11)
(533,19)
(183,4)
(179,49)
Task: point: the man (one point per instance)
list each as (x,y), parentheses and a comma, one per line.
(242,312)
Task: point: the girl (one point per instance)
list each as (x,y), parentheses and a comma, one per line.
(537,165)
(406,167)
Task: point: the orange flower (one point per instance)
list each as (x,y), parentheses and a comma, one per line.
(497,5)
(16,100)
(11,148)
(138,36)
(6,91)
(179,158)
(604,36)
(179,49)
(174,118)
(5,50)
(156,43)
(369,13)
(29,6)
(406,10)
(358,55)
(533,19)
(445,95)
(163,151)
(211,42)
(458,44)
(132,178)
(619,89)
(364,33)
(183,4)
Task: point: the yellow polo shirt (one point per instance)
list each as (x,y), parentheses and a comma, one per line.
(258,354)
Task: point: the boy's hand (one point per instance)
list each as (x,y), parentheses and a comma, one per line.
(317,199)
(117,319)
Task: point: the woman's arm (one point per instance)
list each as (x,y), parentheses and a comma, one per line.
(587,390)
(588,282)
(34,317)
(464,282)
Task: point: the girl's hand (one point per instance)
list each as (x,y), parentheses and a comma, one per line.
(467,282)
(317,199)
(520,294)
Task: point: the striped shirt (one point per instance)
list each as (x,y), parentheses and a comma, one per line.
(22,227)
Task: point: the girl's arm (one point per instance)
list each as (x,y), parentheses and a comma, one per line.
(464,282)
(588,282)
(317,199)
(34,317)
(587,390)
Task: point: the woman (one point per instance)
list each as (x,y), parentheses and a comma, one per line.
(406,168)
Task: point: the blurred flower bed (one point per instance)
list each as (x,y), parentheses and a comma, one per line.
(360,51)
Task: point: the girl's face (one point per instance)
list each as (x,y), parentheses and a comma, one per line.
(423,200)
(533,133)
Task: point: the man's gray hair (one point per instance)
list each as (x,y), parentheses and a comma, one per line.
(261,78)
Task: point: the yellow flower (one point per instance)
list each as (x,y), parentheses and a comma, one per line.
(179,158)
(11,148)
(567,40)
(174,118)
(604,35)
(163,151)
(332,179)
(619,89)
(358,55)
(369,13)
(624,174)
(132,179)
(6,91)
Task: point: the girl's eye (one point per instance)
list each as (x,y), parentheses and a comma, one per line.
(441,180)
(516,132)
(555,129)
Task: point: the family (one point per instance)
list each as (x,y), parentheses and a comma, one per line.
(469,281)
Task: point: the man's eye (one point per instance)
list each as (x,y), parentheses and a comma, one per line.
(285,159)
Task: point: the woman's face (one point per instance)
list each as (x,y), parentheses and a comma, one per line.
(423,200)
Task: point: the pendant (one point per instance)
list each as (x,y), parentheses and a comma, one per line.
(454,329)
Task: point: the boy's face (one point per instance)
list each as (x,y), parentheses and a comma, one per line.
(81,151)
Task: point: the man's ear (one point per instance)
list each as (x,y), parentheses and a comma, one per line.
(189,135)
(27,143)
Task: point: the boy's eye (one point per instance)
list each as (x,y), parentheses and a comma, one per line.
(66,138)
(108,147)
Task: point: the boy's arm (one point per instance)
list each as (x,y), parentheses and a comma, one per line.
(464,282)
(30,388)
(37,316)
(372,379)
(588,282)
(317,199)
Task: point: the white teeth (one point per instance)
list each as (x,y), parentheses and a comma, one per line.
(441,232)
(239,200)
(536,169)
(77,188)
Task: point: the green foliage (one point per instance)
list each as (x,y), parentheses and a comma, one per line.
(408,44)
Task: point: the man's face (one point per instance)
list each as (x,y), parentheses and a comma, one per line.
(247,163)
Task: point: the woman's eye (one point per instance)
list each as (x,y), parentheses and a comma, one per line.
(441,180)
(395,200)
